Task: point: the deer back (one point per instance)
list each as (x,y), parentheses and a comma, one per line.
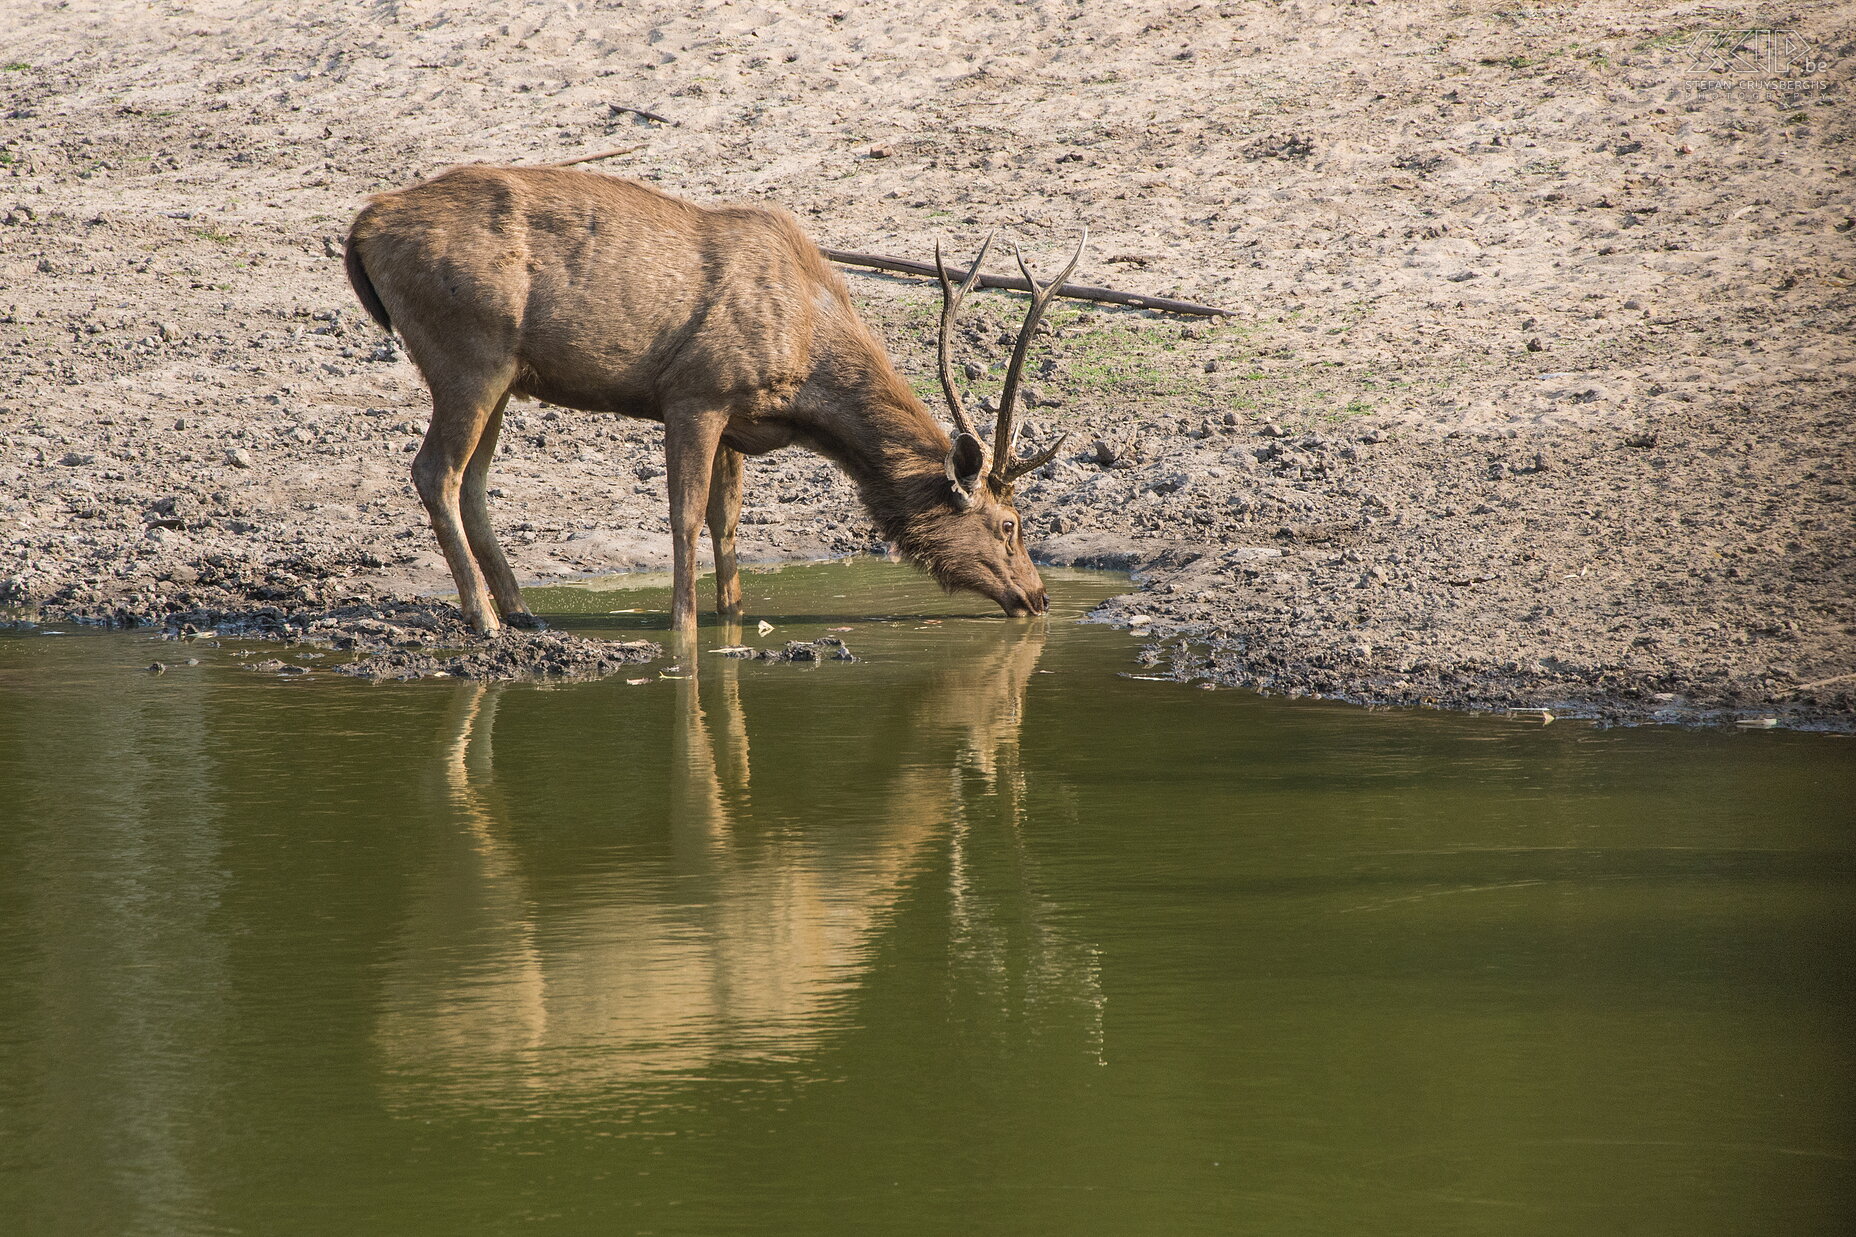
(597,293)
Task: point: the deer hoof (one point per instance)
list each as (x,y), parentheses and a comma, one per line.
(524,620)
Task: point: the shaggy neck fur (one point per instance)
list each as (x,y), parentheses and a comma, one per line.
(859,412)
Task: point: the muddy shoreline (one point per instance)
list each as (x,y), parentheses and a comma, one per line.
(1539,392)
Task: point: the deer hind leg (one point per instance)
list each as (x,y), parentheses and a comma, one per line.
(460,412)
(724,517)
(691,437)
(474,507)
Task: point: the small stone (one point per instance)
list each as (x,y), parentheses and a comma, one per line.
(74,459)
(1534,345)
(238,457)
(1272,430)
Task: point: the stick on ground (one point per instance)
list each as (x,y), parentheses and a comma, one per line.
(1015,283)
(618,109)
(604,154)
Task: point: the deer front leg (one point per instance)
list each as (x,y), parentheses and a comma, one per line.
(691,437)
(724,517)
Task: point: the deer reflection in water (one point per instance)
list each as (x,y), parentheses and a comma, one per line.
(740,941)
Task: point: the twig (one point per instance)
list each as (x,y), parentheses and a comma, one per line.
(1016,284)
(604,154)
(1835,678)
(620,108)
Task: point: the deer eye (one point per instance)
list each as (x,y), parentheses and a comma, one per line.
(1007,529)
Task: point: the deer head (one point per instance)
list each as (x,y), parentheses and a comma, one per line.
(976,541)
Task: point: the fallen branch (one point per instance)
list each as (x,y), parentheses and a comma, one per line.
(619,109)
(604,154)
(1805,687)
(1015,283)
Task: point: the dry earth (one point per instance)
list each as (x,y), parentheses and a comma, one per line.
(1538,391)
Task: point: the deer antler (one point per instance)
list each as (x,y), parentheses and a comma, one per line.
(1006,466)
(950,305)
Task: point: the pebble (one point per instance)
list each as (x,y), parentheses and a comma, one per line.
(238,457)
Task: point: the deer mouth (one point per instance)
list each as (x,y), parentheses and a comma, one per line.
(1017,603)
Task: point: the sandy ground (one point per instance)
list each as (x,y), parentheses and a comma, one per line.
(1538,392)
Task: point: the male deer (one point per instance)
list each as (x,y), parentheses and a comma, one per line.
(723,323)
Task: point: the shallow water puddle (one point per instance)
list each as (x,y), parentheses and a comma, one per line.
(970,934)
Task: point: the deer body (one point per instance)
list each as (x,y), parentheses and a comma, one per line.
(724,324)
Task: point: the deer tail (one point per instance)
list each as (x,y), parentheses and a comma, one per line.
(363,286)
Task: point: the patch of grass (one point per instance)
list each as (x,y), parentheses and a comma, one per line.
(17,66)
(1100,353)
(1674,38)
(210,233)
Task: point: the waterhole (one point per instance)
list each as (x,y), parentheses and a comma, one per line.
(976,933)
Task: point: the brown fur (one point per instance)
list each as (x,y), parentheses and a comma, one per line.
(724,323)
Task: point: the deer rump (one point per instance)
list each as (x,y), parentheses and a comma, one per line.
(723,323)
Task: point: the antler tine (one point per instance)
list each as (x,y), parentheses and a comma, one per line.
(950,305)
(1005,437)
(1031,463)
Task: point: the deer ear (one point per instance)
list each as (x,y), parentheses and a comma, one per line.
(966,469)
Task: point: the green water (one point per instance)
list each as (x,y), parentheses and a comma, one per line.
(974,935)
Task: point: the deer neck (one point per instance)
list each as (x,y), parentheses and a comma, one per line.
(858,411)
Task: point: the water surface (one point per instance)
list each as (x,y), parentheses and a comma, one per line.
(972,935)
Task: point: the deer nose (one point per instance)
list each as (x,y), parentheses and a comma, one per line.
(1021,604)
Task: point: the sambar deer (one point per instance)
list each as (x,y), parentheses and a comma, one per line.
(723,323)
